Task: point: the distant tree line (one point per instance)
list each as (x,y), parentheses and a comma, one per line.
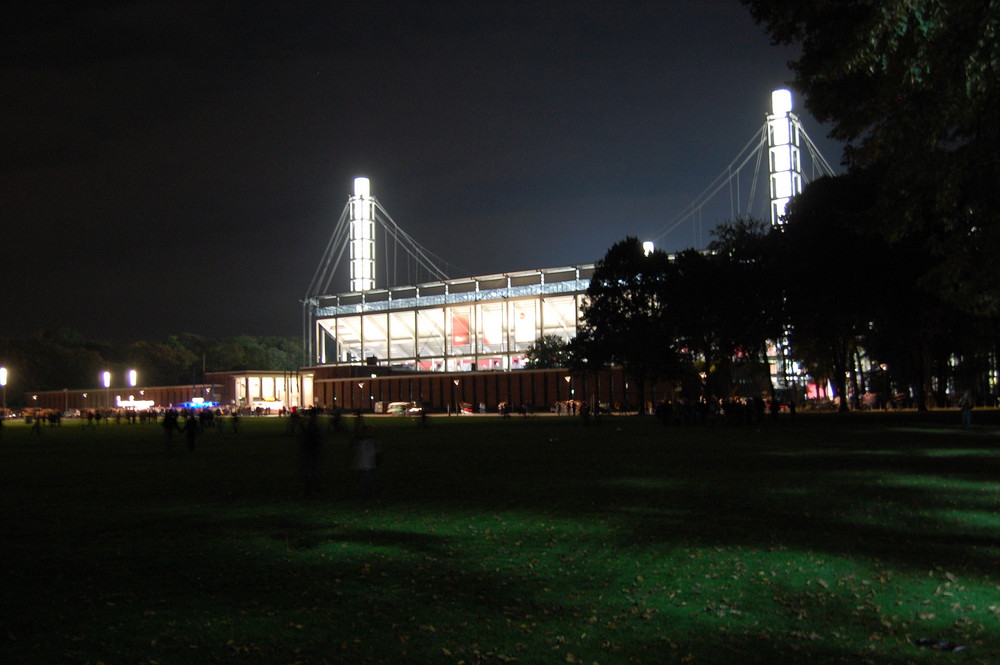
(64,358)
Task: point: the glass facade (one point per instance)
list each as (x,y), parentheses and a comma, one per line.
(266,389)
(484,323)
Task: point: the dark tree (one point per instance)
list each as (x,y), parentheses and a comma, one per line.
(45,362)
(826,261)
(914,86)
(548,352)
(160,364)
(625,318)
(919,336)
(747,297)
(58,359)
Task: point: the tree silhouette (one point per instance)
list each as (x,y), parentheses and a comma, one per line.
(548,352)
(625,318)
(914,86)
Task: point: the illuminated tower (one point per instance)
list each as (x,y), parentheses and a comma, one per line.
(783,152)
(362,237)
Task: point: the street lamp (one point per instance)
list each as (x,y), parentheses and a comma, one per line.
(569,392)
(885,385)
(106,379)
(133,378)
(3,385)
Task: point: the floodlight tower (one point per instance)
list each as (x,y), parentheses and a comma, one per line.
(783,153)
(362,237)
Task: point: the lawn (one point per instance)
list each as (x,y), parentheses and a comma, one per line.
(815,539)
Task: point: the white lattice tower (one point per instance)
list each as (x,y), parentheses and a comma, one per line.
(785,165)
(361,236)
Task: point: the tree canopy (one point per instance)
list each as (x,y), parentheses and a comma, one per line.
(548,352)
(895,74)
(708,313)
(912,85)
(625,318)
(827,281)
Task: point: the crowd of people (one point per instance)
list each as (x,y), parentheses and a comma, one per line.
(724,411)
(193,422)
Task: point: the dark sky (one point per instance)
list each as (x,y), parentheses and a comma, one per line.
(179,166)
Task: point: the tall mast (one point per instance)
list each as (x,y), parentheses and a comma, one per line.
(783,154)
(362,237)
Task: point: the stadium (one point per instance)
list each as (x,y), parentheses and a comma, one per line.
(448,344)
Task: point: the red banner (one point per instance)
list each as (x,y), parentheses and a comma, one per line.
(460,329)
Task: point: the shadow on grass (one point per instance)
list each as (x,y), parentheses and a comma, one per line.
(919,496)
(533,540)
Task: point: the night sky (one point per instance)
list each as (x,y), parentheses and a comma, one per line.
(179,166)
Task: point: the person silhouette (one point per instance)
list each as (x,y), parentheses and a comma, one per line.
(367,453)
(190,429)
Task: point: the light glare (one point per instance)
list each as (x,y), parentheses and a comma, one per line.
(362,187)
(781,101)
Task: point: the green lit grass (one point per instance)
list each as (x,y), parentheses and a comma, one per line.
(823,539)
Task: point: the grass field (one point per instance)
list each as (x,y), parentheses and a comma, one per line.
(818,539)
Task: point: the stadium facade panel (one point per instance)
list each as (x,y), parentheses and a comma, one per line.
(457,325)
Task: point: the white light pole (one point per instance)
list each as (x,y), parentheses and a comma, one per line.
(106,379)
(3,385)
(133,378)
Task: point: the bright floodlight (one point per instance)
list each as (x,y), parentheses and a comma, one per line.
(783,150)
(3,376)
(106,377)
(647,247)
(781,101)
(362,237)
(362,187)
(132,377)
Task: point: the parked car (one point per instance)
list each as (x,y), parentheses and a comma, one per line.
(404,409)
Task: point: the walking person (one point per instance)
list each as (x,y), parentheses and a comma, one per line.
(367,453)
(170,425)
(310,451)
(965,404)
(190,429)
